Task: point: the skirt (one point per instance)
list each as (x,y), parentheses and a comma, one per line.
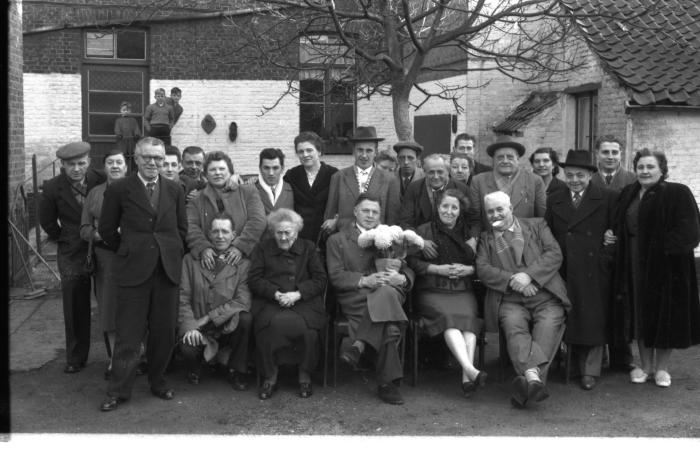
(440,311)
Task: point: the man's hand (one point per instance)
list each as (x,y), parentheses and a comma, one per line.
(192,195)
(530,290)
(207,259)
(373,281)
(330,224)
(233,256)
(519,281)
(233,182)
(461,270)
(394,279)
(429,249)
(609,237)
(193,337)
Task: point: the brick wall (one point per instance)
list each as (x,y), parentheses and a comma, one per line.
(15,103)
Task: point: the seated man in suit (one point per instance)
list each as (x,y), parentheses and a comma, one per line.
(518,260)
(215,308)
(274,192)
(371,300)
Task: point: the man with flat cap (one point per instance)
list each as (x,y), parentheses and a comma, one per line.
(363,177)
(60,210)
(408,154)
(525,190)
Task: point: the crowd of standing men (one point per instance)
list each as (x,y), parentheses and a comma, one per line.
(190,256)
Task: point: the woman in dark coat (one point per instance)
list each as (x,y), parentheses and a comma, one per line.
(287,279)
(545,164)
(444,297)
(310,182)
(657,292)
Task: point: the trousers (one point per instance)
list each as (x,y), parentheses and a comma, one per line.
(237,341)
(384,338)
(76,317)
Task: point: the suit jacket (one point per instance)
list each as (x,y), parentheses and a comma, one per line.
(542,257)
(344,191)
(141,235)
(417,174)
(416,208)
(310,201)
(587,265)
(527,197)
(285,200)
(60,216)
(620,180)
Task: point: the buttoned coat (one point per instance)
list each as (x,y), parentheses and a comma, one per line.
(345,190)
(285,200)
(587,265)
(416,208)
(620,180)
(527,196)
(555,185)
(60,217)
(418,173)
(141,235)
(542,258)
(310,201)
(242,203)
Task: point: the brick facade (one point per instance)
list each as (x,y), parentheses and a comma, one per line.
(16,174)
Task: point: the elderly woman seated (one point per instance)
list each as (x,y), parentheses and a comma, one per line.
(287,279)
(443,292)
(214,319)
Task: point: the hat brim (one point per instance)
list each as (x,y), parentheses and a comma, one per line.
(490,150)
(579,165)
(398,147)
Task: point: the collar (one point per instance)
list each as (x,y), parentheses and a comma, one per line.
(144,181)
(295,249)
(364,171)
(605,173)
(362,230)
(515,226)
(264,185)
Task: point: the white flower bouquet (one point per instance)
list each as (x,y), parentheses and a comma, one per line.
(390,242)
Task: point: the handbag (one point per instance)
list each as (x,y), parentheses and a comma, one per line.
(90,265)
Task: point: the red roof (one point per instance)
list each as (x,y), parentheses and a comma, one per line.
(651,46)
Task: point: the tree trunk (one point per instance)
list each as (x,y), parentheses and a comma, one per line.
(402,119)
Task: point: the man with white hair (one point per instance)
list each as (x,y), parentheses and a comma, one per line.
(518,260)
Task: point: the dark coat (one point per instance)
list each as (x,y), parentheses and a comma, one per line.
(298,269)
(416,208)
(587,265)
(555,185)
(669,230)
(141,235)
(60,215)
(310,202)
(480,168)
(620,180)
(286,199)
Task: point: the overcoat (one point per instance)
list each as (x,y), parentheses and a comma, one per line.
(541,255)
(344,191)
(298,269)
(555,185)
(416,208)
(310,201)
(620,180)
(669,230)
(587,265)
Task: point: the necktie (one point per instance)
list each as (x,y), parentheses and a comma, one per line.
(150,186)
(577,199)
(608,179)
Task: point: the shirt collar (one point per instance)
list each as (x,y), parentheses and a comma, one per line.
(364,171)
(145,182)
(362,230)
(264,185)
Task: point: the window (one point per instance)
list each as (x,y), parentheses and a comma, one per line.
(116,44)
(326,92)
(586,120)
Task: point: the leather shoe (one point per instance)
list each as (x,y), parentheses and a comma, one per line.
(111,403)
(142,368)
(237,380)
(390,394)
(480,379)
(73,368)
(468,388)
(351,356)
(587,382)
(267,390)
(520,392)
(163,393)
(305,390)
(193,378)
(536,391)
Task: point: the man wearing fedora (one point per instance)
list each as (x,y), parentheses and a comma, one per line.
(60,210)
(408,154)
(578,218)
(525,190)
(362,178)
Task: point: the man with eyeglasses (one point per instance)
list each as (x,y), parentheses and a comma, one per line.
(143,220)
(610,173)
(466,144)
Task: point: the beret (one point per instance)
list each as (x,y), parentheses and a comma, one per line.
(73,150)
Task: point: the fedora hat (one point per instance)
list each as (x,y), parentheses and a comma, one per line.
(365,134)
(408,145)
(579,158)
(505,141)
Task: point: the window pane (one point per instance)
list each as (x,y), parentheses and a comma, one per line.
(583,122)
(99,44)
(311,118)
(131,44)
(117,81)
(110,102)
(594,122)
(311,91)
(340,121)
(103,124)
(342,92)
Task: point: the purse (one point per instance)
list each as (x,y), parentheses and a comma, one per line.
(90,265)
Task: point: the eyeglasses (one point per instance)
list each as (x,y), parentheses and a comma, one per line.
(155,158)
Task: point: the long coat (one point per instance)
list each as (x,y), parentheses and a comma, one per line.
(555,185)
(541,255)
(141,235)
(669,230)
(345,190)
(527,197)
(298,269)
(587,265)
(416,208)
(310,201)
(243,205)
(60,216)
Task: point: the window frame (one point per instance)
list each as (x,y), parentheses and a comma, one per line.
(592,115)
(93,60)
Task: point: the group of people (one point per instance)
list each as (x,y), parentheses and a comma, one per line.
(237,273)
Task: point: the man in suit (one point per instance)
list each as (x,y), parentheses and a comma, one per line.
(518,260)
(610,173)
(371,300)
(60,210)
(363,177)
(578,218)
(274,192)
(466,144)
(143,219)
(408,154)
(525,190)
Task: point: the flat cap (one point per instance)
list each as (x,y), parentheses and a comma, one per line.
(73,150)
(408,145)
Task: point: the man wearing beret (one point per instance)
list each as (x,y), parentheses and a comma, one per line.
(408,154)
(525,190)
(60,209)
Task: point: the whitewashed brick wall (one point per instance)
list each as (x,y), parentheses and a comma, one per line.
(52,116)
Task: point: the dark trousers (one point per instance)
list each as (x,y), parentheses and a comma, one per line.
(161,132)
(287,330)
(237,341)
(151,306)
(76,316)
(384,338)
